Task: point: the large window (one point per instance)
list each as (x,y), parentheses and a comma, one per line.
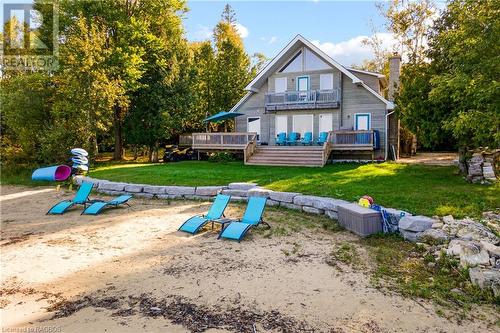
(303,83)
(281,124)
(303,123)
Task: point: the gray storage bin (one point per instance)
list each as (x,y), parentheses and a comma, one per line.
(360,220)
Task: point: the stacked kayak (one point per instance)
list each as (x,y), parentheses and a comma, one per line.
(80,160)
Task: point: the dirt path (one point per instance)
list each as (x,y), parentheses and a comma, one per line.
(129,270)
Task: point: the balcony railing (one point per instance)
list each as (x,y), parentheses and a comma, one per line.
(309,99)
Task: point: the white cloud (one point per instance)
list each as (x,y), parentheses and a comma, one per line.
(203,32)
(353,51)
(269,40)
(242,30)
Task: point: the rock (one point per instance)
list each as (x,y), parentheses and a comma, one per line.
(134,188)
(259,192)
(437,225)
(197,197)
(167,196)
(238,199)
(114,193)
(112,186)
(241,186)
(328,204)
(415,223)
(208,190)
(412,236)
(179,190)
(290,206)
(332,214)
(493,250)
(471,254)
(448,219)
(235,193)
(433,236)
(486,278)
(469,229)
(144,195)
(155,309)
(431,264)
(271,202)
(283,196)
(305,200)
(491,216)
(154,189)
(312,210)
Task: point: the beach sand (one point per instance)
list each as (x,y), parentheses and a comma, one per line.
(129,270)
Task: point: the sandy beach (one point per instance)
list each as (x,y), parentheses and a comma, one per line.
(129,270)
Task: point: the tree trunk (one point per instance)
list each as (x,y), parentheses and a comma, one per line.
(117,122)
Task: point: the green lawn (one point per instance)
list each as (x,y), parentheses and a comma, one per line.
(428,190)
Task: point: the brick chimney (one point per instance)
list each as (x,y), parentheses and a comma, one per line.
(394,71)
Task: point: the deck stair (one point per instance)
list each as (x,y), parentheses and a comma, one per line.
(310,156)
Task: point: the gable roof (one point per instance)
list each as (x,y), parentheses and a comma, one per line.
(287,52)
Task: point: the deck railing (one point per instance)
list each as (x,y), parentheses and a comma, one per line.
(352,140)
(303,97)
(222,140)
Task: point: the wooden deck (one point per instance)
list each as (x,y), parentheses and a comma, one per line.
(314,155)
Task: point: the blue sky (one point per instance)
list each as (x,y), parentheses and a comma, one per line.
(337,26)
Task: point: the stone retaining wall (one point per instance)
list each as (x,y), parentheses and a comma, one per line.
(238,192)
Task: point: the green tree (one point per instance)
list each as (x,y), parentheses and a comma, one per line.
(232,68)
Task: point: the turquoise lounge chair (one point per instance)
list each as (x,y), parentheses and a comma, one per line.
(216,211)
(293,138)
(253,217)
(97,206)
(307,139)
(323,136)
(281,139)
(81,198)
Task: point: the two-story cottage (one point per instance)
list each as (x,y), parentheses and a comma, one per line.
(303,90)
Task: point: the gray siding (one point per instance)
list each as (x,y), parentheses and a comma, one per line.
(313,75)
(357,99)
(370,80)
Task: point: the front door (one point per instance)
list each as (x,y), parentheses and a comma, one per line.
(362,122)
(303,124)
(253,125)
(302,87)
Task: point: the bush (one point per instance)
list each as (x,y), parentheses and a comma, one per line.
(221,157)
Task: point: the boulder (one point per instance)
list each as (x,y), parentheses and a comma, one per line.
(332,214)
(112,186)
(238,199)
(283,196)
(312,210)
(493,250)
(166,196)
(469,229)
(290,206)
(411,236)
(179,190)
(259,192)
(486,278)
(328,204)
(132,188)
(415,223)
(235,193)
(208,190)
(471,254)
(448,219)
(271,202)
(437,225)
(433,236)
(241,186)
(305,200)
(144,195)
(154,189)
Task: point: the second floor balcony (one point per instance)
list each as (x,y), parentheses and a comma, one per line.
(299,100)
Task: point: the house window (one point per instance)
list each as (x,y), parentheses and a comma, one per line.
(362,121)
(280,84)
(294,64)
(281,124)
(253,126)
(326,81)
